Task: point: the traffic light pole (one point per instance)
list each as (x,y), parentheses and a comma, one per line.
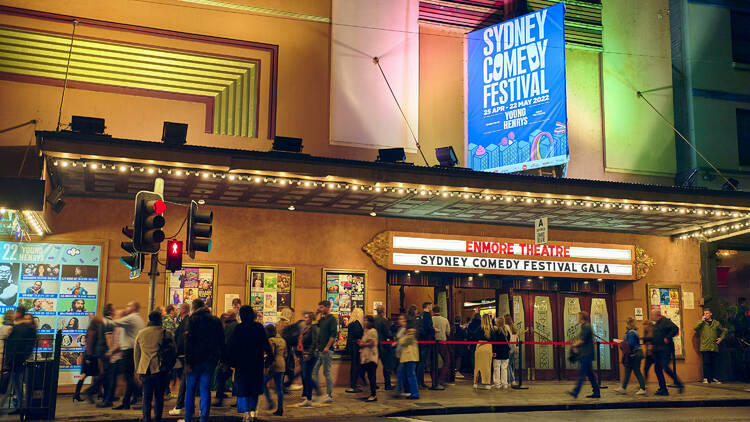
(153,274)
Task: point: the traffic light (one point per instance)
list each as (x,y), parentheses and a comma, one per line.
(198,230)
(174,255)
(148,222)
(133,261)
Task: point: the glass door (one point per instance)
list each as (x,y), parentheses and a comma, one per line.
(540,318)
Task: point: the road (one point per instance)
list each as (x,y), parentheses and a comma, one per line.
(723,414)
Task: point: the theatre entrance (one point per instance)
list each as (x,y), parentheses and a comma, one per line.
(544,310)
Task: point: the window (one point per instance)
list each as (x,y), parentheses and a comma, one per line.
(740,36)
(743,136)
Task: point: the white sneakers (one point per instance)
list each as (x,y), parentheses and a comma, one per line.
(620,390)
(715,381)
(327,399)
(640,392)
(175,412)
(305,403)
(294,387)
(705,380)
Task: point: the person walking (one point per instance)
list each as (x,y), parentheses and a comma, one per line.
(402,388)
(425,332)
(276,369)
(131,323)
(18,348)
(354,335)
(711,334)
(307,346)
(442,331)
(90,366)
(632,361)
(289,331)
(152,344)
(664,331)
(500,355)
(327,334)
(247,348)
(100,349)
(648,345)
(409,358)
(368,350)
(510,328)
(179,369)
(224,371)
(385,352)
(585,349)
(204,343)
(483,353)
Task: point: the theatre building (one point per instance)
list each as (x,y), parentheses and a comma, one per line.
(331,222)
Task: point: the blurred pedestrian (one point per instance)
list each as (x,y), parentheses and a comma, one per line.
(307,345)
(483,353)
(179,368)
(131,323)
(632,361)
(290,333)
(442,331)
(409,357)
(510,328)
(711,334)
(19,345)
(90,366)
(277,359)
(425,332)
(354,335)
(152,344)
(224,370)
(585,349)
(385,351)
(663,346)
(248,347)
(368,349)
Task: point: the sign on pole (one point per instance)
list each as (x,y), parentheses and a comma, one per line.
(540,231)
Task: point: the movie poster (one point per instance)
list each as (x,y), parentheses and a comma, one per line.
(345,291)
(58,284)
(668,300)
(270,290)
(190,283)
(516,101)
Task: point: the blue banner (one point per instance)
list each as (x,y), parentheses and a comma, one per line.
(517,117)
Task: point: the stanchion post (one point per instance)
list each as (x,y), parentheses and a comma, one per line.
(434,367)
(599,364)
(520,368)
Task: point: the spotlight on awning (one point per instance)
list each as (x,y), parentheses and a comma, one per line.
(446,156)
(87,125)
(391,155)
(287,144)
(174,133)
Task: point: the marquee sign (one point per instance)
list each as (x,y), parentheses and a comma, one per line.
(470,254)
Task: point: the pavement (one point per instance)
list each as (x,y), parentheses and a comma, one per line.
(454,400)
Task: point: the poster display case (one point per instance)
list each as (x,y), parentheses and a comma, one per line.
(193,281)
(668,300)
(268,290)
(345,289)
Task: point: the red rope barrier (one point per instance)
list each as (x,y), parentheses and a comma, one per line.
(553,343)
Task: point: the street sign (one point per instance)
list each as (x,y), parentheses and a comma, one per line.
(541,230)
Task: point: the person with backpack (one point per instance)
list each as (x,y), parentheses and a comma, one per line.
(664,331)
(425,332)
(632,355)
(154,355)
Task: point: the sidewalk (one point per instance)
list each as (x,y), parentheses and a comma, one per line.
(457,399)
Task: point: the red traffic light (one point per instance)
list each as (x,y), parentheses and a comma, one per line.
(158,206)
(174,255)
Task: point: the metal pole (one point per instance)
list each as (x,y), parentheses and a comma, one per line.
(599,364)
(520,368)
(153,273)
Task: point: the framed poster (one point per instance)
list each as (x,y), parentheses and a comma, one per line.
(268,290)
(345,289)
(193,281)
(668,299)
(58,283)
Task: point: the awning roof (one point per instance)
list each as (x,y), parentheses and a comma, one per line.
(108,167)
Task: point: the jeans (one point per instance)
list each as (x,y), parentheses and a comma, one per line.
(371,368)
(512,364)
(307,377)
(278,379)
(324,360)
(424,354)
(127,367)
(634,366)
(245,404)
(709,365)
(199,376)
(408,375)
(586,370)
(180,404)
(501,372)
(444,351)
(648,363)
(355,369)
(289,373)
(661,361)
(153,386)
(386,356)
(222,375)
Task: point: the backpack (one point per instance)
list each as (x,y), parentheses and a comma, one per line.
(167,353)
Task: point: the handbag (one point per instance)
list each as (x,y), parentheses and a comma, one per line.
(167,353)
(574,356)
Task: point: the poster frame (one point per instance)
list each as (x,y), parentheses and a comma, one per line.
(214,288)
(249,268)
(682,311)
(341,354)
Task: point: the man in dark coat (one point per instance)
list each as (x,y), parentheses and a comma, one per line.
(354,335)
(229,319)
(664,330)
(385,351)
(19,345)
(179,339)
(248,348)
(204,343)
(425,332)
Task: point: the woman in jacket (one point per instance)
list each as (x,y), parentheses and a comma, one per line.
(483,353)
(276,370)
(368,351)
(354,335)
(409,357)
(247,348)
(148,365)
(307,345)
(500,355)
(633,361)
(90,365)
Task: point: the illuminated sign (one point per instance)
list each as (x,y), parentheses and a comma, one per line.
(517,118)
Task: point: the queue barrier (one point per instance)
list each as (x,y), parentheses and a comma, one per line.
(434,352)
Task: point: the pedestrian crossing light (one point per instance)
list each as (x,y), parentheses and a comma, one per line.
(174,255)
(199,230)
